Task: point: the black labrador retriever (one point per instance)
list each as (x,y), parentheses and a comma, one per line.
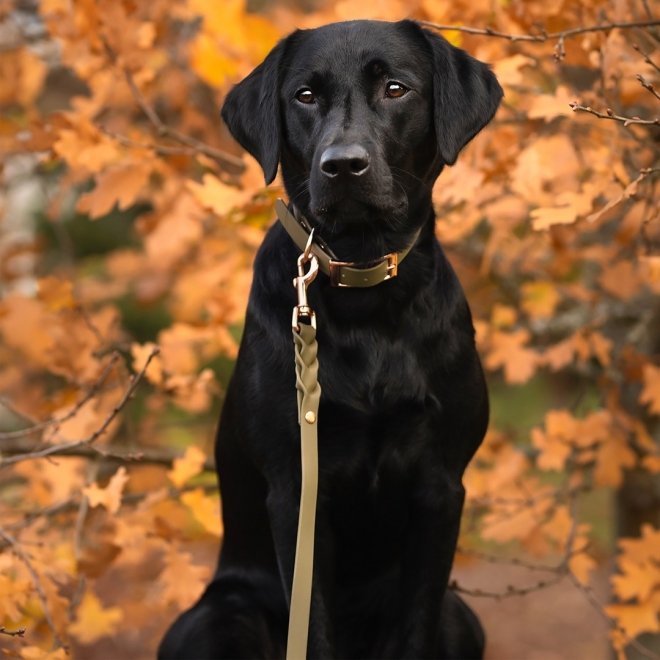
(362,116)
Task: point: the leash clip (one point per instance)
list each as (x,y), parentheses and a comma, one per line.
(304,279)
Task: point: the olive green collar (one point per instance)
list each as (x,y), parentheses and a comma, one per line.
(341,273)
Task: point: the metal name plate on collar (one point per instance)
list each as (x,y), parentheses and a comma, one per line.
(342,274)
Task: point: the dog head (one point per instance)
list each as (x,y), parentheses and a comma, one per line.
(363,116)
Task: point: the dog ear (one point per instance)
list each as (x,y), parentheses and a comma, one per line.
(252,113)
(466,95)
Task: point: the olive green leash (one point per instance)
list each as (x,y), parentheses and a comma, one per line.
(309,396)
(318,256)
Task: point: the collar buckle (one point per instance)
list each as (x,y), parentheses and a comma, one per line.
(338,274)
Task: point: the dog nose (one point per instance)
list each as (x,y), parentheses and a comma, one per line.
(346,160)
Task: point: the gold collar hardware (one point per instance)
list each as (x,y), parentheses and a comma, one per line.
(341,273)
(304,279)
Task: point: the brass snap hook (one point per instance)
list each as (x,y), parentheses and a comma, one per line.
(304,279)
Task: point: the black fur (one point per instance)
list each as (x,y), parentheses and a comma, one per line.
(404,403)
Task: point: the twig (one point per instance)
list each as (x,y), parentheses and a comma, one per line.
(36,581)
(647,85)
(85,442)
(609,114)
(143,456)
(510,590)
(646,56)
(20,632)
(559,37)
(57,421)
(229,162)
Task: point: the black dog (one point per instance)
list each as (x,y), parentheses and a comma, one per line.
(362,117)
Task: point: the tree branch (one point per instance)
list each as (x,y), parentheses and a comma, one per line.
(647,85)
(62,448)
(609,114)
(36,581)
(143,456)
(20,632)
(231,163)
(56,421)
(559,37)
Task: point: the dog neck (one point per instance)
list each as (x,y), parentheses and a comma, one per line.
(341,273)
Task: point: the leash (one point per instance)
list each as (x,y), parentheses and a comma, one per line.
(318,256)
(309,396)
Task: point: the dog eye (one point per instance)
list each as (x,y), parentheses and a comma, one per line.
(395,90)
(305,95)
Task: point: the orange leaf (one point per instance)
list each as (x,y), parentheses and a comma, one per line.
(118,185)
(637,580)
(539,299)
(549,106)
(635,619)
(140,354)
(508,351)
(93,621)
(581,565)
(182,581)
(186,467)
(621,280)
(205,508)
(650,394)
(57,294)
(110,496)
(218,196)
(613,456)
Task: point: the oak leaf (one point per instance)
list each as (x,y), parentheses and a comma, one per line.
(187,466)
(582,565)
(507,350)
(182,580)
(205,509)
(93,621)
(120,185)
(110,495)
(635,619)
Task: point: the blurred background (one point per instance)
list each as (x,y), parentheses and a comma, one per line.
(128,224)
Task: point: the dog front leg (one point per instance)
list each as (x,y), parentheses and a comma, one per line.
(428,559)
(283,510)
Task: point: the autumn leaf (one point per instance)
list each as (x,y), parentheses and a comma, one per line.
(119,185)
(582,566)
(205,509)
(635,619)
(539,299)
(140,354)
(636,580)
(218,196)
(613,456)
(549,106)
(182,581)
(650,394)
(93,621)
(187,466)
(509,352)
(57,294)
(109,496)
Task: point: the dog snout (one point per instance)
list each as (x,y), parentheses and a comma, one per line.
(345,161)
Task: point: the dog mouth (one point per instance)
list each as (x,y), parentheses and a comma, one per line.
(358,211)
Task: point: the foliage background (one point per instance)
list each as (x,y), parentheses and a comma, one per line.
(129,222)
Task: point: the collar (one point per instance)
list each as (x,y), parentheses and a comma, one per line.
(341,273)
